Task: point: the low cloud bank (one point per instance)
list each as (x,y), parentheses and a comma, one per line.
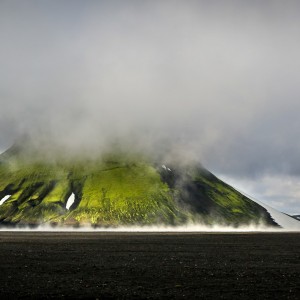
(219,81)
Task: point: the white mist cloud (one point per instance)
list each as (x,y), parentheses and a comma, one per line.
(159,229)
(220,79)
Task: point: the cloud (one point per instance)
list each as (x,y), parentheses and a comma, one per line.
(281,192)
(219,79)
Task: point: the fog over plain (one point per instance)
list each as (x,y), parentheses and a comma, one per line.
(219,80)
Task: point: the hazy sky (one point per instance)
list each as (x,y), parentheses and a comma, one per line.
(218,79)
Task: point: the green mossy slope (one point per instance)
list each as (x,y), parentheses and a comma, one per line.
(117,189)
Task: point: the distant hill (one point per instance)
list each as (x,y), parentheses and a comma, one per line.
(116,188)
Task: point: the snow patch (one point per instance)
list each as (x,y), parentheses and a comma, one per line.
(70,201)
(166,168)
(4,199)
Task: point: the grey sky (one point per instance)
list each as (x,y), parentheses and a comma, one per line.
(220,79)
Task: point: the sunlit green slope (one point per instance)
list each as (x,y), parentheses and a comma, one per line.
(116,189)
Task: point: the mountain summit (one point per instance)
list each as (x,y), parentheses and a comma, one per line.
(117,189)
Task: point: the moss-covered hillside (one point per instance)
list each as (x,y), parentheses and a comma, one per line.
(116,189)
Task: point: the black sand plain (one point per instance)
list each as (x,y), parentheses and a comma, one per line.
(96,265)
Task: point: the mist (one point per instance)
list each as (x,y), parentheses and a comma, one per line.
(162,229)
(218,81)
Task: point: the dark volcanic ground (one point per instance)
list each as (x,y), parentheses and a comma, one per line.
(154,266)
